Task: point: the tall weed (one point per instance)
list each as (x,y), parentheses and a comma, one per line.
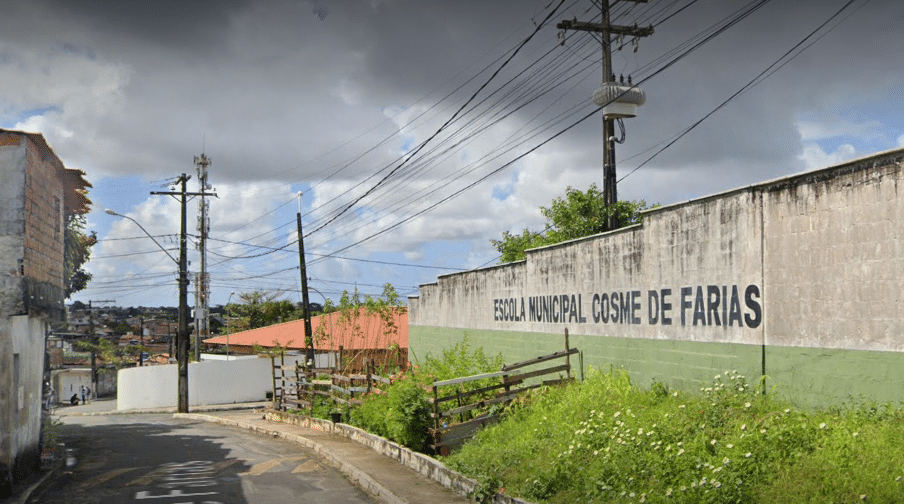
(607,441)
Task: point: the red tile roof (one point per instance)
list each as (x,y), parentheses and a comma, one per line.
(367,331)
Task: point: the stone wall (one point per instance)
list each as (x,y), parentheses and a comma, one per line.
(780,278)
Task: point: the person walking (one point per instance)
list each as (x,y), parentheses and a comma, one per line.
(84,392)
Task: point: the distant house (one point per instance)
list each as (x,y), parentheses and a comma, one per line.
(361,336)
(37,193)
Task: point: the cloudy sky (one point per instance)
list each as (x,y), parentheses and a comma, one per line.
(419,130)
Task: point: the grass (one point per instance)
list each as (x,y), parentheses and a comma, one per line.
(605,440)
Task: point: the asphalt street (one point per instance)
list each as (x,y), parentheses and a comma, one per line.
(156,459)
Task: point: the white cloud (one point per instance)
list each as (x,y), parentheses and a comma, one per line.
(822,130)
(815,157)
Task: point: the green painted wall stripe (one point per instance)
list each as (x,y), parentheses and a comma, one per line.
(807,376)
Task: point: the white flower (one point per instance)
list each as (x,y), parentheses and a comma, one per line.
(822,425)
(617,413)
(856,434)
(680,452)
(668,492)
(746,404)
(713,442)
(725,461)
(729,445)
(748,455)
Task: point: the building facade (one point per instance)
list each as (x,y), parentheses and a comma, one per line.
(36,194)
(797,281)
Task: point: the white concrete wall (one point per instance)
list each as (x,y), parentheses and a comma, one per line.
(209,382)
(812,260)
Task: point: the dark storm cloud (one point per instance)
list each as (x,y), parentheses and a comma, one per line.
(188,25)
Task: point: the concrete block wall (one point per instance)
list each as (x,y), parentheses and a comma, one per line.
(749,279)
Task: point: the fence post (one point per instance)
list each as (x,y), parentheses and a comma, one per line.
(567,356)
(339,360)
(435,406)
(282,372)
(273,375)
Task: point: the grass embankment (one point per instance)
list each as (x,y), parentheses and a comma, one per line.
(605,440)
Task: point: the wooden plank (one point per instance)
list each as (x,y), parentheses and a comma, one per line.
(337,388)
(537,360)
(455,434)
(466,379)
(545,371)
(469,393)
(481,404)
(381,379)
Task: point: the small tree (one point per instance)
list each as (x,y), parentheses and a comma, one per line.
(577,215)
(260,309)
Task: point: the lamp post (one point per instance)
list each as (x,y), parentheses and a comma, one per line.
(182,335)
(228,314)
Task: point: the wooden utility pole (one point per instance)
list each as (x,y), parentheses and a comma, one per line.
(182,334)
(94,344)
(306,308)
(607,30)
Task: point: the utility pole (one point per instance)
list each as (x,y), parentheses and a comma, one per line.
(182,334)
(141,339)
(202,282)
(606,29)
(306,309)
(94,343)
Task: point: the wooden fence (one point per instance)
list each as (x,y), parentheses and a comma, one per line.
(496,389)
(296,386)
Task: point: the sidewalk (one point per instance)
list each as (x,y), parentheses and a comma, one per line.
(390,476)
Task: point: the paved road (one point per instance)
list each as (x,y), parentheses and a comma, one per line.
(155,459)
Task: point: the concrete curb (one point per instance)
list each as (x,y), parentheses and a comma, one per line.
(26,494)
(357,476)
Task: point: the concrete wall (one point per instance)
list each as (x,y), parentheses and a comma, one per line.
(799,278)
(209,382)
(21,375)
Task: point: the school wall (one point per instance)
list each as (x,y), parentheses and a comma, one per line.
(799,278)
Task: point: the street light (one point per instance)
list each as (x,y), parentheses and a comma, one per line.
(111,212)
(228,313)
(182,335)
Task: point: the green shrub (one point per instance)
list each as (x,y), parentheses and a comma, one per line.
(401,414)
